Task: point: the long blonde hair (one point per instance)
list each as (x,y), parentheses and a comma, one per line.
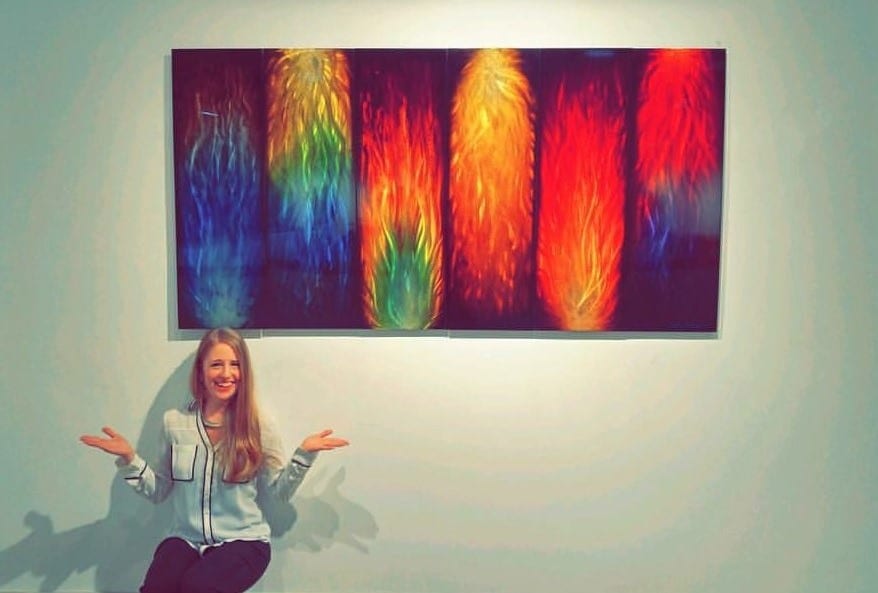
(242,445)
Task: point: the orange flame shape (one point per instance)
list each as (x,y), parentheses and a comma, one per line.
(491,176)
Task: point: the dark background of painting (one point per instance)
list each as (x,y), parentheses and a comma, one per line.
(684,296)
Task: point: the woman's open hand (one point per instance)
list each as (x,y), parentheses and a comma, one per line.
(321,441)
(114,443)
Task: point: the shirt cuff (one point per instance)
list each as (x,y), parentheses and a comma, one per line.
(304,458)
(133,470)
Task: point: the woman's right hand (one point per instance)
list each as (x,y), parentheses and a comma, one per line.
(115,444)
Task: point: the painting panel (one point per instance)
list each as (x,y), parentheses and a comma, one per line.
(218,163)
(491,162)
(402,155)
(312,276)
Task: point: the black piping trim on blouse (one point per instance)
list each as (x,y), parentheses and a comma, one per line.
(210,498)
(205,525)
(191,472)
(139,475)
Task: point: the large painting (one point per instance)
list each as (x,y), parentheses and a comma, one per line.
(417,189)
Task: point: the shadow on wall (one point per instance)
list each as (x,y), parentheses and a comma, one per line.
(120,545)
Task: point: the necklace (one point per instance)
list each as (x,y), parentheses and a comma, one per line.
(208,424)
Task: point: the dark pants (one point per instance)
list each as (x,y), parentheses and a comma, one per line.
(232,567)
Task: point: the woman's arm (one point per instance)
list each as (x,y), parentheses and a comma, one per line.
(154,485)
(283,480)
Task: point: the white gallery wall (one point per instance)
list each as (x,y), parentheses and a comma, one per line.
(478,463)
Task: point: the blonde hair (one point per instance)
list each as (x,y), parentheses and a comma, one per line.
(242,445)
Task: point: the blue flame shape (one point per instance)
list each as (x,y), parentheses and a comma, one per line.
(222,249)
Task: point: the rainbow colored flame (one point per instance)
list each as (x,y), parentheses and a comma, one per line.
(400,212)
(222,248)
(491,193)
(582,209)
(311,195)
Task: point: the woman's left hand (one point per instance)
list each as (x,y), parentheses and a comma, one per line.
(321,441)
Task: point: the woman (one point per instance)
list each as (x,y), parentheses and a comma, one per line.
(218,453)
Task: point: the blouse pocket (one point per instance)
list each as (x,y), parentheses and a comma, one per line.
(183,462)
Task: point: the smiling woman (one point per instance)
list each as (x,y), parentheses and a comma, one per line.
(218,454)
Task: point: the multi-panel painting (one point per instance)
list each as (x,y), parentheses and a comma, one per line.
(414,189)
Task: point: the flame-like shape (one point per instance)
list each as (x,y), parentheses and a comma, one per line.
(582,210)
(221,249)
(678,149)
(400,193)
(491,186)
(311,195)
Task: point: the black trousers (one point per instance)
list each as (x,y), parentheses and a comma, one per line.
(232,567)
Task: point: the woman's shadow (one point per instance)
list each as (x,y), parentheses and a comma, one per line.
(120,545)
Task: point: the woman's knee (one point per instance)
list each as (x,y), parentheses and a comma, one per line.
(230,568)
(172,558)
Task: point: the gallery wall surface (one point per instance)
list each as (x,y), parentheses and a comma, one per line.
(478,462)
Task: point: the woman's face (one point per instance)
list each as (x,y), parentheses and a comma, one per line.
(221,371)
